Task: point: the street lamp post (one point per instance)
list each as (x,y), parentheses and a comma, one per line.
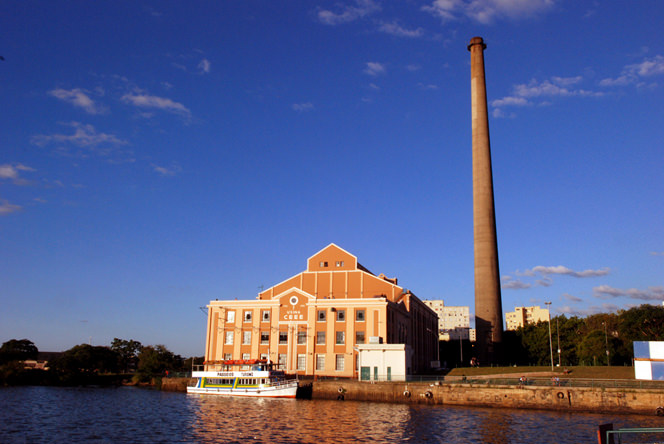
(548,304)
(606,339)
(558,334)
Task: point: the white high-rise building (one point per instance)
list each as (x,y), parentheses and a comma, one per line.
(453,321)
(525,315)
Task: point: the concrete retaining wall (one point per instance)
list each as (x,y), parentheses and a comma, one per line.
(578,399)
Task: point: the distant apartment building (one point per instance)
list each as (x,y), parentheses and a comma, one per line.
(453,322)
(522,316)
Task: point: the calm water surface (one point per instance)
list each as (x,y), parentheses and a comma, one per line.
(131,415)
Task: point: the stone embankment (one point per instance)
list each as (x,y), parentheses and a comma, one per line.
(570,399)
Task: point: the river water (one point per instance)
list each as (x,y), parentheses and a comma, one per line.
(133,415)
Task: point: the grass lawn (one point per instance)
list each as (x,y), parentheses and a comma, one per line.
(575,372)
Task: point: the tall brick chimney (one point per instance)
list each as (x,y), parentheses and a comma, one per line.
(488,304)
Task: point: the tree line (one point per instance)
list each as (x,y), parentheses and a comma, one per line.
(585,341)
(87,364)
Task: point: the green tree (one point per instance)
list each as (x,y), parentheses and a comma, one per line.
(80,363)
(643,323)
(154,361)
(127,351)
(18,350)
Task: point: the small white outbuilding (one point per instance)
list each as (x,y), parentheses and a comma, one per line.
(384,362)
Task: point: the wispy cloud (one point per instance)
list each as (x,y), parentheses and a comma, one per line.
(650,294)
(84,135)
(167,171)
(572,298)
(593,309)
(487,11)
(204,66)
(637,73)
(7,208)
(142,100)
(79,98)
(509,283)
(13,172)
(303,107)
(348,13)
(538,92)
(394,28)
(374,68)
(560,269)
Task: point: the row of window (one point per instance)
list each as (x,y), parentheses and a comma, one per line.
(340,337)
(323,264)
(339,364)
(321,315)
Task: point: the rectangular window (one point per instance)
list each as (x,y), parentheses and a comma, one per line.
(229,338)
(321,315)
(322,264)
(339,364)
(320,362)
(230,316)
(246,337)
(265,316)
(359,337)
(339,263)
(340,337)
(282,360)
(227,356)
(359,315)
(341,315)
(283,337)
(247,316)
(301,337)
(245,356)
(320,338)
(265,338)
(264,356)
(301,362)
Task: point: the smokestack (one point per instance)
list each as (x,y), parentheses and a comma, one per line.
(488,305)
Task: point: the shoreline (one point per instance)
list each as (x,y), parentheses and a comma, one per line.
(564,399)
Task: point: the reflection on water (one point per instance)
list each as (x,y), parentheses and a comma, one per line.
(129,415)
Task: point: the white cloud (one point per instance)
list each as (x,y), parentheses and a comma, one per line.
(142,100)
(84,136)
(509,101)
(413,68)
(509,283)
(651,294)
(348,13)
(204,66)
(487,11)
(593,309)
(374,68)
(7,208)
(396,29)
(560,269)
(633,74)
(303,107)
(79,98)
(572,298)
(167,171)
(12,172)
(427,86)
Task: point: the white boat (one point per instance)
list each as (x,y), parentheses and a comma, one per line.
(243,377)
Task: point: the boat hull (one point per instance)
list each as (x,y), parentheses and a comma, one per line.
(289,391)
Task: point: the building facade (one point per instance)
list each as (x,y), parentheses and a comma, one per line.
(522,316)
(312,322)
(453,321)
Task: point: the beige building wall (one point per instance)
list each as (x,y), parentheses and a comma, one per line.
(453,321)
(313,321)
(522,316)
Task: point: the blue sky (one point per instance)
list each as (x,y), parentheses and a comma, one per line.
(159,155)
